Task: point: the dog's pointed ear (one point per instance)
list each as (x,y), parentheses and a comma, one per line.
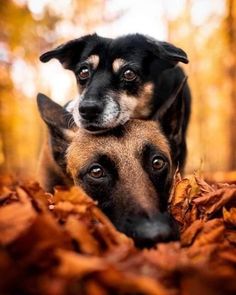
(171,116)
(168,51)
(58,120)
(68,53)
(61,128)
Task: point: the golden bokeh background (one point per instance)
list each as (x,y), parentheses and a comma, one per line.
(205,29)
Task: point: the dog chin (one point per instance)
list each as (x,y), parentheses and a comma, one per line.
(94,129)
(97,128)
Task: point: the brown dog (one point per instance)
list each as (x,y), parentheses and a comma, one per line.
(128,170)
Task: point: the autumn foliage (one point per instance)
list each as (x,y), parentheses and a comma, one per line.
(63,244)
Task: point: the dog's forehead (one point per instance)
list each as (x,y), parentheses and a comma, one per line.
(96,47)
(130,47)
(135,134)
(133,42)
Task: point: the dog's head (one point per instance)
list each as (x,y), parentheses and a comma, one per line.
(128,170)
(117,78)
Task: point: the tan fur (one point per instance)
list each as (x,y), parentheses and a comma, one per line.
(143,107)
(93,60)
(127,102)
(117,64)
(139,107)
(122,150)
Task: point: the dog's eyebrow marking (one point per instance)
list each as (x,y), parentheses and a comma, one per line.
(117,64)
(93,60)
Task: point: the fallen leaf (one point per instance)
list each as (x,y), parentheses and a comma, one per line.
(72,264)
(229,216)
(16,218)
(212,202)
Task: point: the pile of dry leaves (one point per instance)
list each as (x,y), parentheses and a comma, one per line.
(62,244)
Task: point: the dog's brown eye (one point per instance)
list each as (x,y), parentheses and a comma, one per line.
(158,163)
(96,172)
(84,73)
(129,75)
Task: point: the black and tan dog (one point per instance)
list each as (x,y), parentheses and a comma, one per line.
(128,170)
(123,78)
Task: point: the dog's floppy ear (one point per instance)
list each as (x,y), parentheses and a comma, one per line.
(171,117)
(60,124)
(68,53)
(168,51)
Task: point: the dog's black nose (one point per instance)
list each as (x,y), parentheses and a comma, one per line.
(90,109)
(147,232)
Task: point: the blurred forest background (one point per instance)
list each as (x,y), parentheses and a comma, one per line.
(205,29)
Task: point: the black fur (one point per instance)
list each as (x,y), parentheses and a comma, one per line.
(153,61)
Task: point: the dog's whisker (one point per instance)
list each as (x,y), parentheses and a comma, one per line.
(71,122)
(69,119)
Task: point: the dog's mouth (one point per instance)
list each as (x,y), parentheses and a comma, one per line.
(101,126)
(94,128)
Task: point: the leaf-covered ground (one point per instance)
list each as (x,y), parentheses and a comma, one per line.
(63,244)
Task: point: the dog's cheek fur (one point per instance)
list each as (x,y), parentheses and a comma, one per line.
(144,101)
(127,105)
(99,192)
(120,206)
(136,106)
(75,111)
(110,113)
(162,183)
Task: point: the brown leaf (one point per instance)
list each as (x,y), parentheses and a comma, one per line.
(229,255)
(74,195)
(72,264)
(81,233)
(204,187)
(229,216)
(16,218)
(189,235)
(68,246)
(180,200)
(37,243)
(230,235)
(212,202)
(212,232)
(95,288)
(107,232)
(128,283)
